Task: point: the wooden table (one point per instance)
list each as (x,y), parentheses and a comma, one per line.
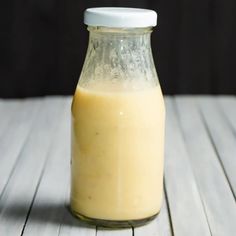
(200,169)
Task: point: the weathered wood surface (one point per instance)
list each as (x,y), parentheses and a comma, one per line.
(200,169)
(215,191)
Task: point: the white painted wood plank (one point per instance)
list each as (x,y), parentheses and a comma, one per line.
(160,226)
(222,135)
(8,108)
(215,192)
(19,192)
(49,214)
(114,232)
(16,132)
(186,209)
(49,203)
(228,106)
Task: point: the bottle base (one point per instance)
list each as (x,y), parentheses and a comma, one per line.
(113,223)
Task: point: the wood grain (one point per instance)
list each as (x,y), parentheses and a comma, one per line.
(200,176)
(16,131)
(222,135)
(47,210)
(17,197)
(186,210)
(216,195)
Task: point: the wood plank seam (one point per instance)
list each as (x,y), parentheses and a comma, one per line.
(168,207)
(39,140)
(22,145)
(203,156)
(65,206)
(205,122)
(32,202)
(47,160)
(201,212)
(19,156)
(38,184)
(216,152)
(232,127)
(197,184)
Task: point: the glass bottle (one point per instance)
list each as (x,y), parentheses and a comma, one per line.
(118,118)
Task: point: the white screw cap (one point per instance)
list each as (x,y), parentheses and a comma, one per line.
(120,17)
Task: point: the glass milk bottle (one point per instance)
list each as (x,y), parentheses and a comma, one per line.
(118,119)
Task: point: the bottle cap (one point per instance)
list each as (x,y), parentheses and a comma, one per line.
(120,17)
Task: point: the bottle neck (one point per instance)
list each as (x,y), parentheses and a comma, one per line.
(119,54)
(121,41)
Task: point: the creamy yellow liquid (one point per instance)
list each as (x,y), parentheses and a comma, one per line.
(117,152)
